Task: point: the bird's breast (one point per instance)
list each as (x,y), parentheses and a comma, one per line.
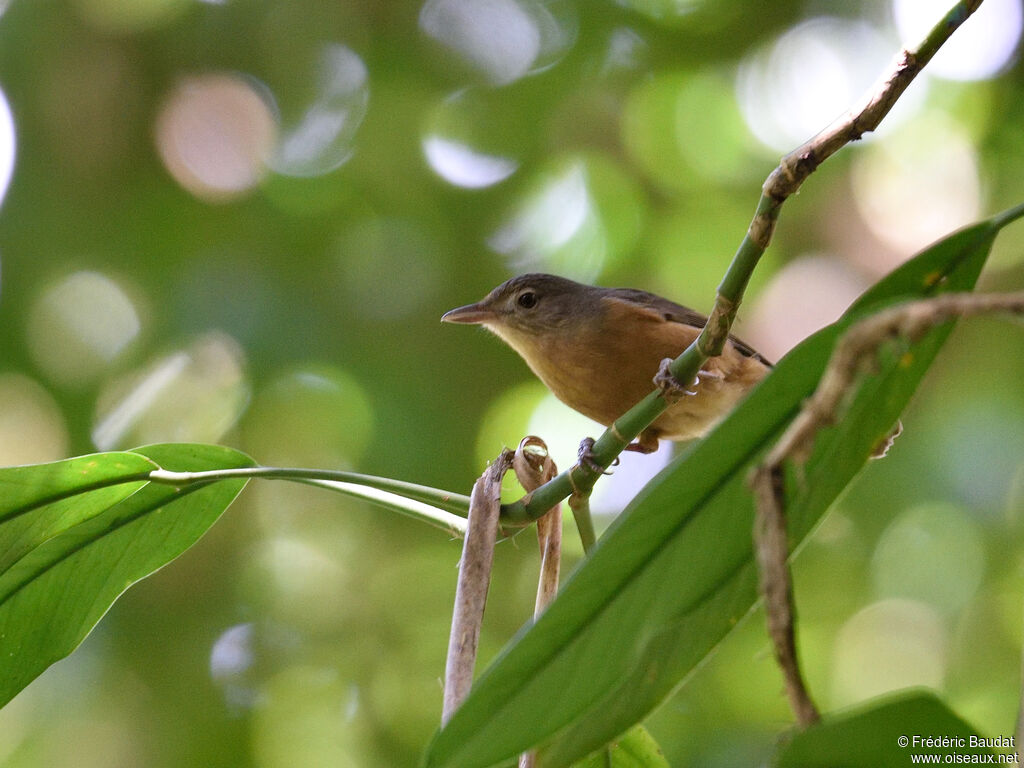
(604,374)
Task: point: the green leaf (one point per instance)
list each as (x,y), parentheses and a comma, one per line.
(887,732)
(636,749)
(675,574)
(75,534)
(406,505)
(55,491)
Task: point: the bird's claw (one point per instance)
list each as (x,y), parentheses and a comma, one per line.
(708,374)
(585,455)
(669,385)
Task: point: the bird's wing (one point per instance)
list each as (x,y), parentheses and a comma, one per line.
(677,313)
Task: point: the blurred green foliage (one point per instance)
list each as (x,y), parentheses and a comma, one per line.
(240,221)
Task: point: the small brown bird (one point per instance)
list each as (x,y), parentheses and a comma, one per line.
(598,350)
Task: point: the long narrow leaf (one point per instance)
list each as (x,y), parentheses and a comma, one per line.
(675,574)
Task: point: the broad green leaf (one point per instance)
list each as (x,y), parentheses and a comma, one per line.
(675,574)
(887,732)
(65,562)
(635,749)
(56,493)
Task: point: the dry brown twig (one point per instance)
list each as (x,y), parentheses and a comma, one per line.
(473,583)
(533,467)
(784,181)
(855,352)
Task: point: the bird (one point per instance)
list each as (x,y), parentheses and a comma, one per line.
(599,350)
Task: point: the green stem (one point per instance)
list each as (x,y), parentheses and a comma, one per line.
(784,181)
(1000,220)
(734,283)
(580,506)
(956,16)
(437,508)
(452,502)
(441,509)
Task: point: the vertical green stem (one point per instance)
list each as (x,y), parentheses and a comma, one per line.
(580,505)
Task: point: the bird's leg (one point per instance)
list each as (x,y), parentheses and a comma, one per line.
(647,442)
(585,456)
(669,385)
(673,390)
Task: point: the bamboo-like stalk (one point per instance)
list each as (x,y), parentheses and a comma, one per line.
(782,182)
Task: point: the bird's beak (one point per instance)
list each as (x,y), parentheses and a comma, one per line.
(471,314)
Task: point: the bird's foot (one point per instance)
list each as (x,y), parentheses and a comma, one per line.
(669,385)
(585,456)
(647,442)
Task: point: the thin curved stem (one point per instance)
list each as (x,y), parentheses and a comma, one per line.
(438,508)
(784,181)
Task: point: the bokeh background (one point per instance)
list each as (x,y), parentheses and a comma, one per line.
(239,221)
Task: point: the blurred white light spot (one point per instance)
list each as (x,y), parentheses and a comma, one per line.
(502,39)
(561,428)
(193,395)
(804,296)
(232,652)
(463,166)
(887,646)
(628,478)
(917,185)
(319,138)
(298,569)
(933,553)
(980,49)
(556,229)
(625,50)
(991,427)
(551,217)
(231,661)
(32,428)
(8,144)
(142,397)
(214,135)
(662,9)
(497,36)
(470,138)
(79,325)
(807,78)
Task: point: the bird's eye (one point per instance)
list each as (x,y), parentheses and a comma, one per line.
(527,300)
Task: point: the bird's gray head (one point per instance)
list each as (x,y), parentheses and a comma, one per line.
(530,304)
